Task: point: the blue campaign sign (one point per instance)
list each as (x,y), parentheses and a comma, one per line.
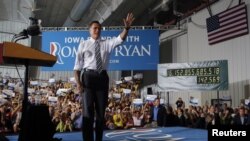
(140,50)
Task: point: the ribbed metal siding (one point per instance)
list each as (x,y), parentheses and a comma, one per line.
(194,47)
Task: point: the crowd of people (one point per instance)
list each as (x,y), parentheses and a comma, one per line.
(65,108)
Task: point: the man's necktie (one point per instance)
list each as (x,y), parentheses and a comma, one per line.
(98,57)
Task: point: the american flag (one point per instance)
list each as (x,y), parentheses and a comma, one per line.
(227,24)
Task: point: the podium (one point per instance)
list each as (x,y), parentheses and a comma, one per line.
(14,53)
(18,54)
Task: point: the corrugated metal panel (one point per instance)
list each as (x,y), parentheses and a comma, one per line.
(180,49)
(7,30)
(65,75)
(11,71)
(58,75)
(236,51)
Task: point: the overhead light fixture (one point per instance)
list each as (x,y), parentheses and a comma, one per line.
(164,5)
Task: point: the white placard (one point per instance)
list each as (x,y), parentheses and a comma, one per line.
(137,101)
(128,78)
(161,101)
(31,90)
(72,80)
(9,93)
(247,101)
(61,91)
(4,80)
(151,97)
(34,83)
(194,101)
(118,82)
(11,84)
(126,91)
(3,96)
(116,95)
(52,99)
(52,80)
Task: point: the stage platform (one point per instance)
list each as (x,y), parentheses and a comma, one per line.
(148,134)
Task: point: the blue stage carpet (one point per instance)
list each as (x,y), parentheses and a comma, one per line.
(150,134)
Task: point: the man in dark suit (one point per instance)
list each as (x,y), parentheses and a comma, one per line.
(240,118)
(158,113)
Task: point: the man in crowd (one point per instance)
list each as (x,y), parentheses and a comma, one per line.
(158,113)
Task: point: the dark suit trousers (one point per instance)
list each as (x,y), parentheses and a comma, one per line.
(95,99)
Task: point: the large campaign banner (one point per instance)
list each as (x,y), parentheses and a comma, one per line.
(206,75)
(140,50)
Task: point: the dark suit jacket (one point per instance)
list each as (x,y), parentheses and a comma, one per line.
(171,120)
(237,120)
(161,115)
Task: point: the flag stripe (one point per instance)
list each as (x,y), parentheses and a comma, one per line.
(233,9)
(242,32)
(227,24)
(228,32)
(231,15)
(233,20)
(236,25)
(244,21)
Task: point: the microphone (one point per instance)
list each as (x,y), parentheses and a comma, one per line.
(33,30)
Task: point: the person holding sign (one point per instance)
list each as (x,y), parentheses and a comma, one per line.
(92,59)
